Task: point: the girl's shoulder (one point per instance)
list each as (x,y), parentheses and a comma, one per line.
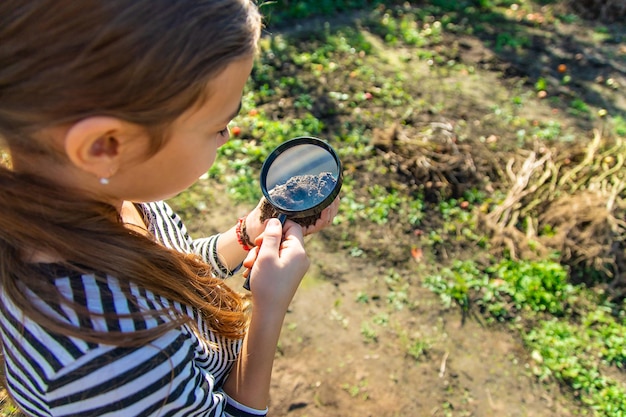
(91,301)
(68,371)
(166,226)
(112,304)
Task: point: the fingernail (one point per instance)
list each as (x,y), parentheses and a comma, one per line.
(274,222)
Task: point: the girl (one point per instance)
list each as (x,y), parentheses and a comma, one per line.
(107,306)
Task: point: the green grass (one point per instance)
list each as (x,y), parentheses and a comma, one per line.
(570,340)
(574,334)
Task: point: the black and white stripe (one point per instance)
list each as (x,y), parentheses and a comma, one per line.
(180,373)
(169,229)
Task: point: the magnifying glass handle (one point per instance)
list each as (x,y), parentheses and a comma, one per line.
(246,285)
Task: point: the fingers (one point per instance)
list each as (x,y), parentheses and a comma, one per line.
(292,230)
(250,260)
(277,265)
(333,209)
(326,218)
(269,241)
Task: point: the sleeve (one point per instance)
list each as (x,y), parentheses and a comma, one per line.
(57,375)
(235,409)
(207,249)
(158,379)
(51,374)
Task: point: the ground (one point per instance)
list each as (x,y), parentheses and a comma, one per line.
(424,360)
(325,367)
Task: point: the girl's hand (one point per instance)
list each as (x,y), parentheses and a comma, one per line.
(326,218)
(277,264)
(255,227)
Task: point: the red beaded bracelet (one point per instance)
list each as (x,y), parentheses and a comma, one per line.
(242,236)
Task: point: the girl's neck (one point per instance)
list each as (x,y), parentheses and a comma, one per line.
(133,218)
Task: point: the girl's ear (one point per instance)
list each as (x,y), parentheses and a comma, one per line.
(94,144)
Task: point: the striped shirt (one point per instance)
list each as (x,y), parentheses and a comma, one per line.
(178,374)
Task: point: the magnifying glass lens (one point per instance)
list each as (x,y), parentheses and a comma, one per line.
(303,191)
(300,179)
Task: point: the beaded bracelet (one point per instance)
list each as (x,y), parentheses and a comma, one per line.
(242,235)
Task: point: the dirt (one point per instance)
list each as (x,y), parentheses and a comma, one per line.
(303,194)
(363,337)
(325,367)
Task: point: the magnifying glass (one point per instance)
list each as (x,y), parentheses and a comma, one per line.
(299,179)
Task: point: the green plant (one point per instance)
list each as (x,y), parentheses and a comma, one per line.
(362,298)
(541,84)
(569,353)
(619,124)
(512,41)
(398,294)
(381,203)
(456,284)
(538,286)
(418,348)
(578,107)
(281,11)
(503,290)
(357,390)
(368,333)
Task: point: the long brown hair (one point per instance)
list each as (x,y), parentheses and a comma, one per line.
(143,61)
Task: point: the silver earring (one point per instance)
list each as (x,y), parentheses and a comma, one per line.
(104,181)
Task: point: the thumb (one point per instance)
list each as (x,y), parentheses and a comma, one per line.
(272,236)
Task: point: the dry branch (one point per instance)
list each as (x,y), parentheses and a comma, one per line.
(581,204)
(564,199)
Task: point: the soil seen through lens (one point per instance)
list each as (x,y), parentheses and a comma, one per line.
(300,193)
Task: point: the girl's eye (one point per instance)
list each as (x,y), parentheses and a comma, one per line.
(224,132)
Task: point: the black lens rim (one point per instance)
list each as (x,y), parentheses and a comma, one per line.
(318,208)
